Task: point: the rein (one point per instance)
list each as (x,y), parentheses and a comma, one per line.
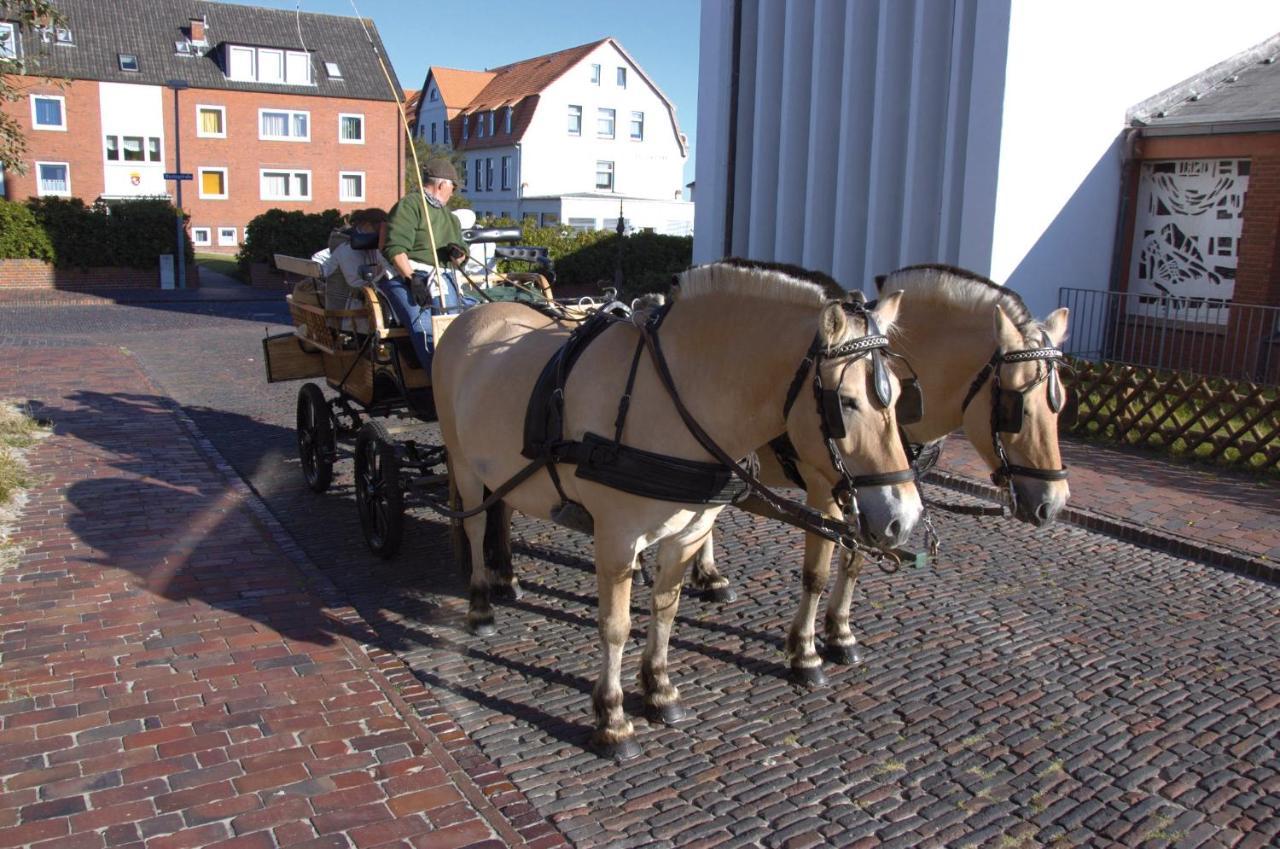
(1007,409)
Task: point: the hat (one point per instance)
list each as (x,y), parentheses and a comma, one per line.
(440,168)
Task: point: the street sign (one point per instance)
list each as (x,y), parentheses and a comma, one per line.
(178,175)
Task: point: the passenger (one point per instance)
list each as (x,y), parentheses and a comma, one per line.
(352,261)
(408,249)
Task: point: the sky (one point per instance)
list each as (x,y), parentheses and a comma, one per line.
(661,35)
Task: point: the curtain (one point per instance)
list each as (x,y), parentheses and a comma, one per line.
(211,183)
(300,125)
(48,112)
(275,185)
(352,187)
(133,149)
(53,179)
(352,129)
(211,122)
(275,124)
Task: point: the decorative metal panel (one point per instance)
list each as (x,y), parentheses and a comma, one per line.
(1187,234)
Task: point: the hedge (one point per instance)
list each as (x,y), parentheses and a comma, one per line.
(21,236)
(279,232)
(115,234)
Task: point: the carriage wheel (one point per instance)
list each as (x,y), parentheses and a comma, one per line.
(378,496)
(316,447)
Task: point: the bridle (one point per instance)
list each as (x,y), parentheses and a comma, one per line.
(830,413)
(1008,408)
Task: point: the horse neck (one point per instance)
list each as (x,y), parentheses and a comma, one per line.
(733,360)
(947,347)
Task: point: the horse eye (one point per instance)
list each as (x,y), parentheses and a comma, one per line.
(849,403)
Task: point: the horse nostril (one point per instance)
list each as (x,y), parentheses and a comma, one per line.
(891,530)
(1044,514)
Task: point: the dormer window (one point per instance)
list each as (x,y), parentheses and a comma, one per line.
(8,40)
(507,120)
(480,126)
(466,127)
(128,61)
(491,123)
(268,65)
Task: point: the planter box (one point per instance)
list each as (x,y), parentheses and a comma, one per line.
(38,274)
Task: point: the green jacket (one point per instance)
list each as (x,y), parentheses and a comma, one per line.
(407,230)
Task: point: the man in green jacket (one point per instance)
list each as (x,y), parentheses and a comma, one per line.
(408,250)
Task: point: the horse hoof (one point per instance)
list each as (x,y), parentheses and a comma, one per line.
(672,714)
(849,655)
(482,629)
(621,750)
(507,592)
(720,595)
(810,676)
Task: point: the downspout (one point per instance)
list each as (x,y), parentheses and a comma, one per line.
(1128,143)
(517,177)
(732,153)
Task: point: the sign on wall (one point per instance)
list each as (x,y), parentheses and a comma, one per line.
(1187,234)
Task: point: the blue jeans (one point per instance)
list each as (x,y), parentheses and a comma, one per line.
(410,315)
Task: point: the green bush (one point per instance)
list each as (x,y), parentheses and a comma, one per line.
(591,257)
(279,232)
(117,233)
(21,236)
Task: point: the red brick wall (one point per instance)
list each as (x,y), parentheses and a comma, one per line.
(37,274)
(241,152)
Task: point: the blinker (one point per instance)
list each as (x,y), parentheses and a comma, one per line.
(910,407)
(833,414)
(1009,411)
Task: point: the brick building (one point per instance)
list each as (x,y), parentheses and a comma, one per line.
(280,110)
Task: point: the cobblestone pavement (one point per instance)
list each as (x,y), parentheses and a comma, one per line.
(1052,688)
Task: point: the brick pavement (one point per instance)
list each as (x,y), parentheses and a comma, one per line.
(173,671)
(1055,688)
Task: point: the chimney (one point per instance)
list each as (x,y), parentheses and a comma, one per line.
(197,30)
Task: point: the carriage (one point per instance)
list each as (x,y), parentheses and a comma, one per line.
(368,360)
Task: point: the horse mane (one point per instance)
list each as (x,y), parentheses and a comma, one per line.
(830,287)
(748,281)
(959,288)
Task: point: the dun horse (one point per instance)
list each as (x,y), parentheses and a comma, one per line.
(735,342)
(948,326)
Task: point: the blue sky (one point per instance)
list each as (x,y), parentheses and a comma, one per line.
(661,35)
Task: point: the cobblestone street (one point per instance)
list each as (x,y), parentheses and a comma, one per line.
(1033,688)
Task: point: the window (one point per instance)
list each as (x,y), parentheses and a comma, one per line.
(480,126)
(332,69)
(128,61)
(8,40)
(445,124)
(622,77)
(211,122)
(488,174)
(48,112)
(637,126)
(491,123)
(62,35)
(113,148)
(242,63)
(53,178)
(351,185)
(272,65)
(351,129)
(433,95)
(133,148)
(582,224)
(466,128)
(284,125)
(507,120)
(476,178)
(433,132)
(506,173)
(604,123)
(604,176)
(595,75)
(226,237)
(201,237)
(153,149)
(550,218)
(213,183)
(575,120)
(284,185)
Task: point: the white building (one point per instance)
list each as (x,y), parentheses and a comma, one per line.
(568,137)
(863,136)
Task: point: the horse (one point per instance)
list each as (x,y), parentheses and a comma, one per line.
(736,341)
(948,325)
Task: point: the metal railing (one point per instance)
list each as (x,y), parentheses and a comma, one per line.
(1208,338)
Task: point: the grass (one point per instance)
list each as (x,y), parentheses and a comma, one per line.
(221,263)
(17,431)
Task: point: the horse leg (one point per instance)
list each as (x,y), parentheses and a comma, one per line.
(497,553)
(841,645)
(707,580)
(614,737)
(661,699)
(480,611)
(806,665)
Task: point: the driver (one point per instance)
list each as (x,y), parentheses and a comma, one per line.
(408,250)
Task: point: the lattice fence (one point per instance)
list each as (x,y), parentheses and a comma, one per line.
(1230,422)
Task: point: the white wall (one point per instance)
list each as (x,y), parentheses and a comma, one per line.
(133,110)
(1073,69)
(553,162)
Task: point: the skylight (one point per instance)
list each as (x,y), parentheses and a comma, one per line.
(128,61)
(332,69)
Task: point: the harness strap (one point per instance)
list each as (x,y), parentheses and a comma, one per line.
(624,403)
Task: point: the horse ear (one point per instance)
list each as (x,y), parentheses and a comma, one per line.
(880,278)
(1056,325)
(1007,336)
(831,326)
(886,311)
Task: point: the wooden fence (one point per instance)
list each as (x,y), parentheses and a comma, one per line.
(1219,420)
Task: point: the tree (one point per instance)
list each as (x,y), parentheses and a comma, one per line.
(26,13)
(427,151)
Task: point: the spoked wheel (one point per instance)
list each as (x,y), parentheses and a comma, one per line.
(316,447)
(378,495)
